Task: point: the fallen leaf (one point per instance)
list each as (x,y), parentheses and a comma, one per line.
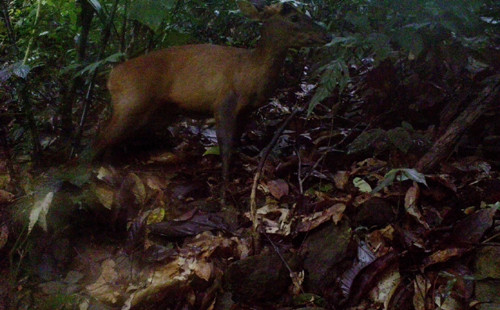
(278,188)
(442,256)
(362,185)
(6,197)
(334,213)
(421,287)
(105,195)
(105,288)
(203,269)
(39,212)
(341,179)
(411,201)
(471,229)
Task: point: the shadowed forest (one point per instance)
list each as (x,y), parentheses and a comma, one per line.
(169,154)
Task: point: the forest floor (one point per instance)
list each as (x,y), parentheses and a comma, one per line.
(339,223)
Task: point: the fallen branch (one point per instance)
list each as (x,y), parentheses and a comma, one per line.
(445,144)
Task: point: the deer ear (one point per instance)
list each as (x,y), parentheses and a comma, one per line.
(249,10)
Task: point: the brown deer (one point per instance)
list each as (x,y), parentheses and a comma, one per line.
(218,81)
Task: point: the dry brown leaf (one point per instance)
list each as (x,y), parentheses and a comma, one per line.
(6,197)
(105,194)
(164,158)
(106,175)
(411,201)
(138,188)
(341,179)
(105,288)
(442,256)
(334,213)
(421,287)
(278,188)
(204,270)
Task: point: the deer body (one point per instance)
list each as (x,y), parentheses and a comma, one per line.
(207,79)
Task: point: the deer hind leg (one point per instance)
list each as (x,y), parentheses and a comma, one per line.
(128,117)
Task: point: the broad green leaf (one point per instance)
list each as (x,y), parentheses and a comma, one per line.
(411,174)
(335,74)
(96,4)
(400,174)
(89,69)
(151,12)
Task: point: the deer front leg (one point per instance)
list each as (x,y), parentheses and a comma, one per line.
(226,118)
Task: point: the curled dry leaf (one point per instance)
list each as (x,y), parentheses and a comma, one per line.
(154,183)
(275,220)
(411,201)
(442,256)
(310,222)
(386,286)
(368,277)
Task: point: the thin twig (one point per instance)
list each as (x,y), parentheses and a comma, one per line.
(265,152)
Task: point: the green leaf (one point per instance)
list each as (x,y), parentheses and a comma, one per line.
(151,12)
(362,185)
(400,174)
(335,74)
(89,68)
(411,174)
(213,150)
(21,70)
(96,4)
(387,181)
(117,57)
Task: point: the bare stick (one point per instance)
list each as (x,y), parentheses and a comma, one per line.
(265,153)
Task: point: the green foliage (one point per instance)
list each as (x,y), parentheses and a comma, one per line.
(151,12)
(401,174)
(421,32)
(402,138)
